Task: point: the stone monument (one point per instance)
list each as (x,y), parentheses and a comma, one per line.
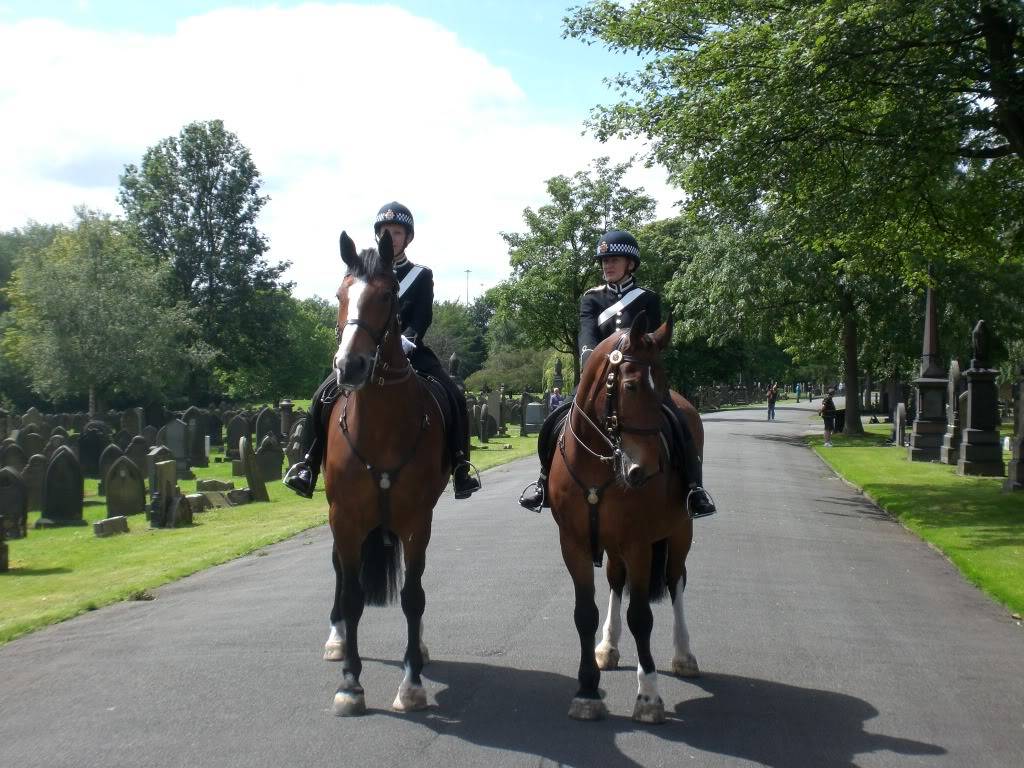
(980,450)
(930,420)
(950,451)
(1014,470)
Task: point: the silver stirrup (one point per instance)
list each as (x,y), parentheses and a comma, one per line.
(690,511)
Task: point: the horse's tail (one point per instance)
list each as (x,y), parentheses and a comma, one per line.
(382,554)
(659,570)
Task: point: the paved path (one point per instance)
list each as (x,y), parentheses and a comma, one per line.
(828,636)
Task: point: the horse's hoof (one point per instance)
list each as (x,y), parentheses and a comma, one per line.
(334,651)
(607,657)
(349,703)
(410,698)
(587,709)
(685,666)
(649,710)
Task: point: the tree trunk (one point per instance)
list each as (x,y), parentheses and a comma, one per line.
(848,312)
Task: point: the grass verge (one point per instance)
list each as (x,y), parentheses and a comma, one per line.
(59,573)
(977,526)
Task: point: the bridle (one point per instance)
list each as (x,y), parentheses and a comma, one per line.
(379,337)
(612,427)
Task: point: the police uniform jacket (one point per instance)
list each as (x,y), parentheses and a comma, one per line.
(608,308)
(416,312)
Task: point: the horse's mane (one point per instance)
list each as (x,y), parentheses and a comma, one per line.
(370,265)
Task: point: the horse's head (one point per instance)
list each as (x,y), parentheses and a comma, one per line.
(367,312)
(624,385)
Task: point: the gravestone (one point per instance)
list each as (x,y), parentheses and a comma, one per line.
(930,420)
(63,491)
(155,415)
(269,457)
(214,485)
(267,423)
(295,450)
(1015,470)
(557,380)
(981,452)
(13,504)
(168,508)
(157,455)
(215,429)
(31,441)
(125,487)
(900,424)
(238,428)
(287,417)
(950,451)
(149,434)
(176,436)
(257,487)
(494,410)
(133,421)
(137,451)
(110,454)
(110,526)
(55,442)
(198,422)
(34,474)
(524,402)
(534,418)
(488,428)
(90,445)
(12,455)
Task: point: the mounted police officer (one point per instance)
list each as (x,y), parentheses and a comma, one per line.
(605,309)
(416,308)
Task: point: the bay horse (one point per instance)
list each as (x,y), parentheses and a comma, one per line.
(385,467)
(613,491)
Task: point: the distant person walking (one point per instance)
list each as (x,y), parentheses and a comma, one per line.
(798,391)
(556,398)
(827,411)
(773,395)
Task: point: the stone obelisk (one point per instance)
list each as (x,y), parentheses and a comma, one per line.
(930,419)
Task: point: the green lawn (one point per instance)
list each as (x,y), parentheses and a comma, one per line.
(970,519)
(61,572)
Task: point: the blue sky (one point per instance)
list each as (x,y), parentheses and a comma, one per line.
(459,109)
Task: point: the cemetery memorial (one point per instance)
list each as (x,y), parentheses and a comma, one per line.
(981,452)
(929,425)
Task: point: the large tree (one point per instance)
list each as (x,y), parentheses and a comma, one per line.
(194,199)
(91,316)
(553,261)
(853,141)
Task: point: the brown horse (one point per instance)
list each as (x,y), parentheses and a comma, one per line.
(384,469)
(613,491)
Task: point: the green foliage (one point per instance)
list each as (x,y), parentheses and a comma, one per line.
(194,200)
(553,261)
(455,330)
(520,370)
(91,316)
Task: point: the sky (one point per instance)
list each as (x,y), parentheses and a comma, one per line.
(459,109)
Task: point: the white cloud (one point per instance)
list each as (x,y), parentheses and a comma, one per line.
(343,107)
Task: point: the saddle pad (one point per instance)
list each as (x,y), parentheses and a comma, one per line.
(437,391)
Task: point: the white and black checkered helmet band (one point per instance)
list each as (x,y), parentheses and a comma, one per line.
(622,249)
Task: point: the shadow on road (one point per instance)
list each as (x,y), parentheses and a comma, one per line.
(766,722)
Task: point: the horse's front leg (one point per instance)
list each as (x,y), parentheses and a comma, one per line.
(607,651)
(586,704)
(649,707)
(411,694)
(350,698)
(334,648)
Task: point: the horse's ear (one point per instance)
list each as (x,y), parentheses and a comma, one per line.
(638,329)
(386,248)
(348,251)
(663,335)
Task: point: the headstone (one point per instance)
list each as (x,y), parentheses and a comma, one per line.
(110,526)
(1015,469)
(149,434)
(90,445)
(31,441)
(295,450)
(34,474)
(257,487)
(215,429)
(900,424)
(930,420)
(950,451)
(267,423)
(63,491)
(534,418)
(981,452)
(137,451)
(164,490)
(197,502)
(524,401)
(155,415)
(125,488)
(214,485)
(110,454)
(239,496)
(494,410)
(487,426)
(12,455)
(238,428)
(198,422)
(156,455)
(287,417)
(133,420)
(557,380)
(55,442)
(269,457)
(13,504)
(121,439)
(176,434)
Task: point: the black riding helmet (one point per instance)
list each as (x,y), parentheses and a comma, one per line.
(618,242)
(397,213)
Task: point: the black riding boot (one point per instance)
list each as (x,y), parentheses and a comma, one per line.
(535,495)
(698,501)
(463,482)
(301,477)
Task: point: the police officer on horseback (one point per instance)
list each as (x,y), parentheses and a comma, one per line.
(416,303)
(604,310)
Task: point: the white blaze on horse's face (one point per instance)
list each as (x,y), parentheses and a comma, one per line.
(348,333)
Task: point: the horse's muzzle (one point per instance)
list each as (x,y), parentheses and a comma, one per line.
(353,371)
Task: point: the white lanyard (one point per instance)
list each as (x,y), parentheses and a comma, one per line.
(618,306)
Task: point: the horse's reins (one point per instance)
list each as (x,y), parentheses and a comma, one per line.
(613,439)
(384,478)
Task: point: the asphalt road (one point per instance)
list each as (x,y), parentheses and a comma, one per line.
(827,636)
